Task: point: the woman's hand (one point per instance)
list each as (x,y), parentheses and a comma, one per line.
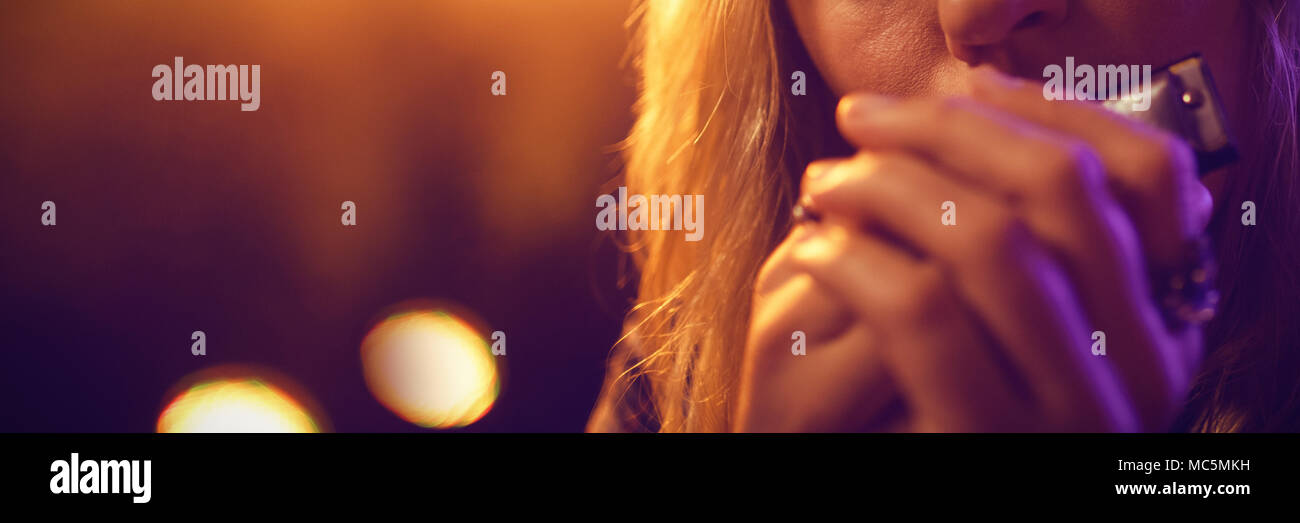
(987,324)
(839,385)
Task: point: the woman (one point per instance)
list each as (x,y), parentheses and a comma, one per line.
(1064,221)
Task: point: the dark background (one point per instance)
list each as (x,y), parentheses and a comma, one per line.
(183,216)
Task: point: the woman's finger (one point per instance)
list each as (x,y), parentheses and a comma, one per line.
(939,357)
(839,364)
(1057,183)
(1013,286)
(1153,173)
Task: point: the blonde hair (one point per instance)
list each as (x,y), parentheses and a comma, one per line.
(714,118)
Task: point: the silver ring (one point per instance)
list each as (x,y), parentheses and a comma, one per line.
(1186,293)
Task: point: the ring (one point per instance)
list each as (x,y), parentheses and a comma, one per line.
(1186,293)
(802,214)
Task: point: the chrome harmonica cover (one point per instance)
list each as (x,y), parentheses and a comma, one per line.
(1185,102)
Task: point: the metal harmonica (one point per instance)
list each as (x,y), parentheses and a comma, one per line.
(1185,102)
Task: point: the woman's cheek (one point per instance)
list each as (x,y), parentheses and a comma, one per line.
(871,46)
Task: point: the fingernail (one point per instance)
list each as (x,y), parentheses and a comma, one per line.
(812,247)
(862,106)
(816,170)
(821,245)
(818,175)
(805,231)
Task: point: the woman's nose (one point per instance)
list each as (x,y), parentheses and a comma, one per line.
(970,26)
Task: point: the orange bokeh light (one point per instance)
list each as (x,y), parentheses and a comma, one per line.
(430,367)
(235,404)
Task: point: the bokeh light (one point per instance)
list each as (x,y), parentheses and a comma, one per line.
(431,367)
(239,404)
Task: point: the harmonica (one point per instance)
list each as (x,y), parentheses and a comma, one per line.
(1185,102)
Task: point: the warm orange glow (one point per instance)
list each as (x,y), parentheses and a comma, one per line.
(431,368)
(235,405)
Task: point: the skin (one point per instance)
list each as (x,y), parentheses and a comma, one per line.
(1062,208)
